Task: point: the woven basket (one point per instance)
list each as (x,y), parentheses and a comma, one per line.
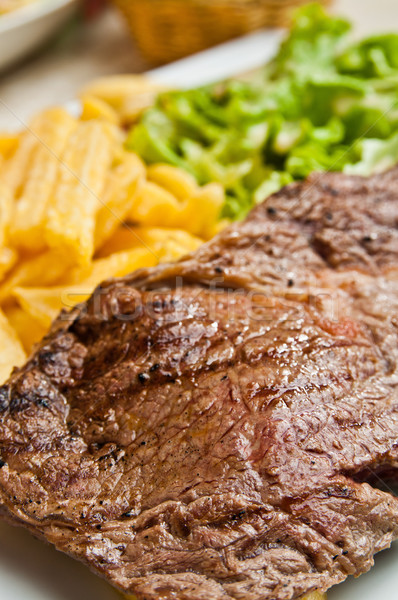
(167,30)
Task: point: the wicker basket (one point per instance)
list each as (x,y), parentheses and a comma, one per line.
(167,30)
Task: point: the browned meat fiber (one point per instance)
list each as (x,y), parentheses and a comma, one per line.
(203,430)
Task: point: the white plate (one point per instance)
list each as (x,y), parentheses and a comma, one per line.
(31,570)
(27,28)
(239,56)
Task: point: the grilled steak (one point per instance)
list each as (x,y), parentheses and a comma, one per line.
(207,430)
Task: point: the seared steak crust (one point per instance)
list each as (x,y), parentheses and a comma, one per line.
(200,431)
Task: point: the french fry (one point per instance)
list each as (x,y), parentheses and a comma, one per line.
(127,95)
(155,206)
(116,89)
(210,198)
(29,215)
(41,270)
(8,258)
(96,108)
(8,144)
(158,239)
(11,351)
(44,304)
(118,197)
(134,105)
(15,170)
(72,212)
(28,329)
(6,201)
(178,182)
(171,244)
(126,237)
(115,265)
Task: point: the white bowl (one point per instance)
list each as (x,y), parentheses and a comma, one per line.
(26,28)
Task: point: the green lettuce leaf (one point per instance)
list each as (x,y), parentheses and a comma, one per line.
(375,156)
(321,104)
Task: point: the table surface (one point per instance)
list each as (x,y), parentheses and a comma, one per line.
(102,47)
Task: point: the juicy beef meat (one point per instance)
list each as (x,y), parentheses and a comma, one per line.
(201,430)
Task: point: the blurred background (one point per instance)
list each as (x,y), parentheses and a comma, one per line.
(84,39)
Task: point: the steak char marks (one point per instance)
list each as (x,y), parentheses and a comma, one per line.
(200,431)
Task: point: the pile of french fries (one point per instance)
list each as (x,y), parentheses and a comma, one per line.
(77,208)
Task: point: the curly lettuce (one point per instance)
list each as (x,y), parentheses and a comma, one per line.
(322,104)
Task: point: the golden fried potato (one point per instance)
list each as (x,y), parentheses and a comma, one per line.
(178,182)
(16,170)
(29,214)
(116,88)
(17,166)
(28,329)
(8,144)
(42,304)
(40,270)
(128,95)
(96,108)
(160,240)
(12,353)
(8,258)
(6,201)
(72,212)
(122,183)
(133,106)
(204,209)
(115,265)
(155,206)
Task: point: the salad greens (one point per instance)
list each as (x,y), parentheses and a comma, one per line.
(321,104)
